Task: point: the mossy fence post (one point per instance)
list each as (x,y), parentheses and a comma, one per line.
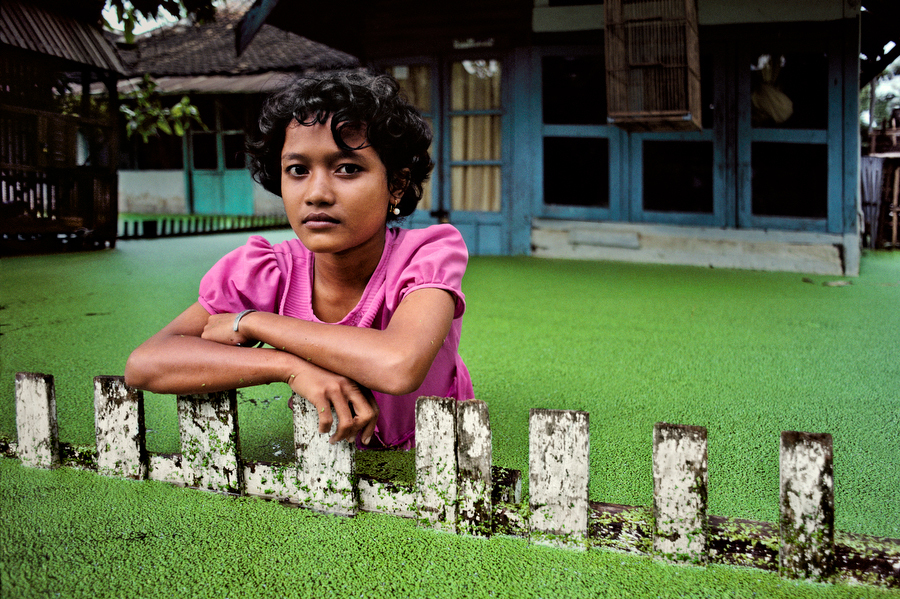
(680,524)
(457,488)
(807,506)
(36,420)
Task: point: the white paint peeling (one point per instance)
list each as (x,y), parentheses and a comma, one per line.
(436,465)
(807,505)
(558,476)
(679,492)
(167,469)
(119,427)
(325,472)
(209,441)
(38,437)
(387,498)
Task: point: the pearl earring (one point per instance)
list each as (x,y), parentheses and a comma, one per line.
(396,211)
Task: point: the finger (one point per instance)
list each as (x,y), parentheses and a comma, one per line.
(323,408)
(345,425)
(366,409)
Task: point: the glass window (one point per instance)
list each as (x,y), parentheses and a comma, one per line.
(415,84)
(574,90)
(790,90)
(678,176)
(234,151)
(475,88)
(205,156)
(790,179)
(576,171)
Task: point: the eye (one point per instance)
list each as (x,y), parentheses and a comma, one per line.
(349,169)
(295,170)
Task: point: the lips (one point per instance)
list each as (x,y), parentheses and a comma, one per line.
(319,218)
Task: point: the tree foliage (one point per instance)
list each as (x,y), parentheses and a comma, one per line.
(146,116)
(129,11)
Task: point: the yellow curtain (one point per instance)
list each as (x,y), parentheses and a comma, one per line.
(475,85)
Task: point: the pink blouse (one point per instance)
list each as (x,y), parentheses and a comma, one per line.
(279,279)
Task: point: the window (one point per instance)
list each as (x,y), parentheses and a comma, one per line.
(576,171)
(475,135)
(678,176)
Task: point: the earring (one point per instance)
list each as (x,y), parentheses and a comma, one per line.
(395,210)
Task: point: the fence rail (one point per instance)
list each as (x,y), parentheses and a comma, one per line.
(457,488)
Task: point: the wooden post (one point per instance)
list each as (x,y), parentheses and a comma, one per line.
(558,449)
(473,456)
(119,426)
(326,473)
(436,466)
(681,526)
(210,446)
(807,506)
(38,445)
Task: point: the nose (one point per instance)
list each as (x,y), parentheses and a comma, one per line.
(318,188)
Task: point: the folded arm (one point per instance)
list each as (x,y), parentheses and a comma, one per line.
(178,360)
(393,361)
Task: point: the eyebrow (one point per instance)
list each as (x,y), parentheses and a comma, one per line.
(341,154)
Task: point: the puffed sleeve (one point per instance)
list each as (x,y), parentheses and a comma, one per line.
(247,277)
(435,257)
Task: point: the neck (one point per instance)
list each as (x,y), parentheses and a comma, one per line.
(340,279)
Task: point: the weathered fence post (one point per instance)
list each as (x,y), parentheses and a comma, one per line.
(326,473)
(681,525)
(436,465)
(473,456)
(558,454)
(119,426)
(36,427)
(210,446)
(807,506)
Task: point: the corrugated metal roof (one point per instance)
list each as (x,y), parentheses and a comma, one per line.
(30,27)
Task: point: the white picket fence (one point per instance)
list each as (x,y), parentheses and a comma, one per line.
(457,488)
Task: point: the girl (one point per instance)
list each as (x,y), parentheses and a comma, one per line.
(359,317)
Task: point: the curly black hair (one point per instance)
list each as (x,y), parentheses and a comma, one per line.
(355,101)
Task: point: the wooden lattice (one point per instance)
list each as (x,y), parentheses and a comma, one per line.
(653,64)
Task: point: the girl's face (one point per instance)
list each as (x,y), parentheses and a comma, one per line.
(336,201)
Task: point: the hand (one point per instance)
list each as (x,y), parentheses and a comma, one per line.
(354,404)
(220,328)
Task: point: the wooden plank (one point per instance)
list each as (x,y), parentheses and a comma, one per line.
(166,468)
(436,466)
(119,427)
(38,435)
(271,481)
(681,529)
(807,506)
(385,497)
(473,455)
(326,473)
(210,446)
(558,453)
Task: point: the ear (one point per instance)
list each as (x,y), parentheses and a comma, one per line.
(399,183)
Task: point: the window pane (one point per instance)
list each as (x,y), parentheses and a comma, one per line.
(576,171)
(205,151)
(475,188)
(790,179)
(415,84)
(234,151)
(475,137)
(574,90)
(790,90)
(475,85)
(678,176)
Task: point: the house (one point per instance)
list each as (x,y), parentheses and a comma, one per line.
(58,147)
(759,171)
(204,172)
